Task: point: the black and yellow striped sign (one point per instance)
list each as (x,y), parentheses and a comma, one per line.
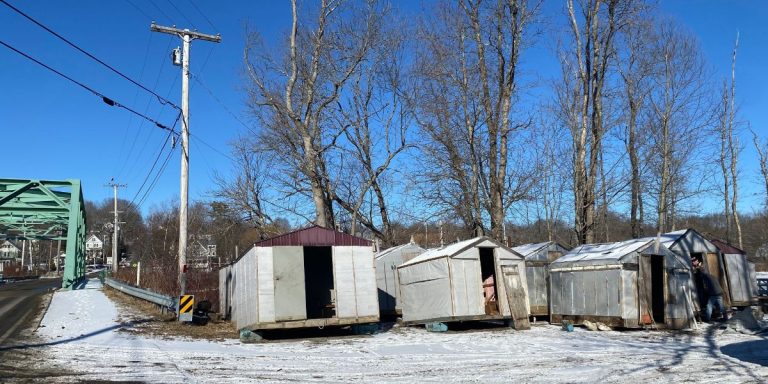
(186,304)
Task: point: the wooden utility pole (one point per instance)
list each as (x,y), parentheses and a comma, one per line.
(115,186)
(186,36)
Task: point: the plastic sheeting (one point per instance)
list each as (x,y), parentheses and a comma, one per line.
(386,276)
(446,283)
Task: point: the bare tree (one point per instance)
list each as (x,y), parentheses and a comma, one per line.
(586,70)
(729,153)
(762,152)
(680,111)
(294,95)
(244,194)
(469,65)
(378,119)
(635,68)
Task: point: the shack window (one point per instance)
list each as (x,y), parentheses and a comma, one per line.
(318,282)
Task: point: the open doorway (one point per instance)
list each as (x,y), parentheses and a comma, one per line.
(657,288)
(488,276)
(318,282)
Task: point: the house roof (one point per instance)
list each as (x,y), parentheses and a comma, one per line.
(314,236)
(726,248)
(453,249)
(91,237)
(605,251)
(527,249)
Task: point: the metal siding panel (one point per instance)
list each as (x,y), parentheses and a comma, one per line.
(738,277)
(290,295)
(344,282)
(555,290)
(629,296)
(365,282)
(264,289)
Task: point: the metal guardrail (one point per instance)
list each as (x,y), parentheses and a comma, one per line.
(154,297)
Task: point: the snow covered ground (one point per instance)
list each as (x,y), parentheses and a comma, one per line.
(81,334)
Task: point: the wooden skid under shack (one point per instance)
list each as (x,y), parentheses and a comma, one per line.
(312,323)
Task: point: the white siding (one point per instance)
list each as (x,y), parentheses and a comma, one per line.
(290,296)
(365,282)
(264,288)
(344,282)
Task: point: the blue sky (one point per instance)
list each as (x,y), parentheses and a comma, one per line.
(53,129)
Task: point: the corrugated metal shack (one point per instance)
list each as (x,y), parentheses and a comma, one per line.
(629,284)
(538,256)
(689,243)
(386,278)
(312,277)
(739,272)
(476,279)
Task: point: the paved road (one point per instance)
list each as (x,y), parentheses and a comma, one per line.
(19,303)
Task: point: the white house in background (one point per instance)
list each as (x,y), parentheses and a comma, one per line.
(94,249)
(9,251)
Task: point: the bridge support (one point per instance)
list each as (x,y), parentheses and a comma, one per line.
(45,210)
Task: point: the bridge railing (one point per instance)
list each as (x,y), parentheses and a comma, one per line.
(164,301)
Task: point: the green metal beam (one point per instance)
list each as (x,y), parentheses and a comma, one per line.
(40,209)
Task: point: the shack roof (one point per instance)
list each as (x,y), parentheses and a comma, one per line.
(527,249)
(314,236)
(397,248)
(456,248)
(670,238)
(726,248)
(605,251)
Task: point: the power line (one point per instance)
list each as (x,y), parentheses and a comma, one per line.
(182,14)
(224,106)
(146,110)
(109,101)
(160,10)
(139,9)
(159,98)
(154,181)
(154,164)
(204,16)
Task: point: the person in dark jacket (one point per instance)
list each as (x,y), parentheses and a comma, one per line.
(711,290)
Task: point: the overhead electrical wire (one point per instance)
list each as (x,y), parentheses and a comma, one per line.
(204,16)
(182,14)
(104,98)
(161,99)
(157,158)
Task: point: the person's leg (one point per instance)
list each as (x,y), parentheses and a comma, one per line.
(708,310)
(721,307)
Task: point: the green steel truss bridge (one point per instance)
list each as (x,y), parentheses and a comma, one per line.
(47,210)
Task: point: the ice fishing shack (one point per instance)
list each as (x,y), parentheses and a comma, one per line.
(538,256)
(476,279)
(386,278)
(631,284)
(313,277)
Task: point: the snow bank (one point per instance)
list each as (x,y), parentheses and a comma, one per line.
(90,343)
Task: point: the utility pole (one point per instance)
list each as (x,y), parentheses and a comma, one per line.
(186,36)
(115,186)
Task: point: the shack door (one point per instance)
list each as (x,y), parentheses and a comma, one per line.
(651,289)
(713,267)
(515,296)
(290,302)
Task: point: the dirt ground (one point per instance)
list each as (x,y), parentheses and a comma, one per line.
(148,319)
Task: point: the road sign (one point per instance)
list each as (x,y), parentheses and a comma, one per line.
(186,305)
